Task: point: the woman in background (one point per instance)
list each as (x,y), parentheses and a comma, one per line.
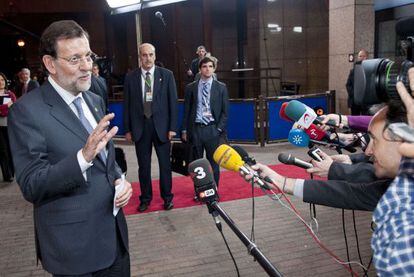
(7,98)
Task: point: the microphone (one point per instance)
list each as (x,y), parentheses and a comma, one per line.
(282,112)
(304,138)
(248,160)
(304,115)
(289,159)
(202,174)
(158,14)
(244,155)
(226,157)
(298,138)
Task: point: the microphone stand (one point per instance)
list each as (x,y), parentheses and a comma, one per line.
(251,247)
(180,55)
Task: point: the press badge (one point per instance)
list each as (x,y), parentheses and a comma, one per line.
(148,96)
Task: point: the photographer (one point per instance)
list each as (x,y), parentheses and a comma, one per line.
(393,238)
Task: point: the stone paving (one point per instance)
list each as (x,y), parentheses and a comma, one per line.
(186,242)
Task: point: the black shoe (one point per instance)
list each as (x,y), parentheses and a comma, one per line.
(8,180)
(143,207)
(168,205)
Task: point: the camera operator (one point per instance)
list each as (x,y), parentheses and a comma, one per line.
(348,189)
(393,238)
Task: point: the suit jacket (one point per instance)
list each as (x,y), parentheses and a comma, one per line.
(75,229)
(99,87)
(349,187)
(30,86)
(219,105)
(164,104)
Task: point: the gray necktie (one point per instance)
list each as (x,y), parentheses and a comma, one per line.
(85,122)
(147,89)
(206,105)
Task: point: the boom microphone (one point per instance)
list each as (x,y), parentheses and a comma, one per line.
(226,157)
(158,14)
(289,159)
(202,174)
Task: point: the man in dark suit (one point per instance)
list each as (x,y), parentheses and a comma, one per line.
(355,109)
(193,70)
(65,163)
(98,85)
(205,113)
(150,118)
(25,83)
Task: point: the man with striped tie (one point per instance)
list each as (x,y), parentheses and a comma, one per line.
(205,113)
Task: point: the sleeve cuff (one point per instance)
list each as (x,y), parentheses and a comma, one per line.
(298,189)
(83,164)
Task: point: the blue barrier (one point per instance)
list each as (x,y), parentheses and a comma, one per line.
(241,126)
(279,128)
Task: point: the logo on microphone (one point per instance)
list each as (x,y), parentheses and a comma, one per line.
(207,193)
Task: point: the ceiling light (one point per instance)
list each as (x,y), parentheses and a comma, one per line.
(122,3)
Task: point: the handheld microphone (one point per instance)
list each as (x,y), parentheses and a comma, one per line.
(298,138)
(202,174)
(158,14)
(244,155)
(248,160)
(226,157)
(282,112)
(289,159)
(304,115)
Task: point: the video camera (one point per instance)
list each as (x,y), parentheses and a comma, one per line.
(375,79)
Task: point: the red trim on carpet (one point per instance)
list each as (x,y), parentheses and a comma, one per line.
(232,187)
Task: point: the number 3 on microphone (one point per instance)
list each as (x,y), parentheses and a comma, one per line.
(200,172)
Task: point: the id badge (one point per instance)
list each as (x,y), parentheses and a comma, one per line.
(206,114)
(148,96)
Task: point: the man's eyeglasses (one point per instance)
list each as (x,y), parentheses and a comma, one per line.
(76,60)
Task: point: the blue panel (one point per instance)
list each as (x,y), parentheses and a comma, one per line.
(279,128)
(118,109)
(240,124)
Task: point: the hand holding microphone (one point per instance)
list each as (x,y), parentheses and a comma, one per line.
(321,168)
(226,157)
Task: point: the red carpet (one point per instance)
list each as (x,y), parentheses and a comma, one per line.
(232,187)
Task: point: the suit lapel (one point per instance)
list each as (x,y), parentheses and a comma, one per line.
(62,112)
(157,83)
(95,110)
(213,94)
(137,84)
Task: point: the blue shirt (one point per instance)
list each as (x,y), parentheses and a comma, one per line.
(199,114)
(393,238)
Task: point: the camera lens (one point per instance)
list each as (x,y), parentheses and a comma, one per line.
(375,80)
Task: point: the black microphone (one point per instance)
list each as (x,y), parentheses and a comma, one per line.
(250,161)
(204,185)
(244,155)
(202,174)
(289,159)
(158,14)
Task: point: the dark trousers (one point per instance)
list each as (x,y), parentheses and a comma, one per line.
(6,162)
(120,267)
(143,149)
(206,138)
